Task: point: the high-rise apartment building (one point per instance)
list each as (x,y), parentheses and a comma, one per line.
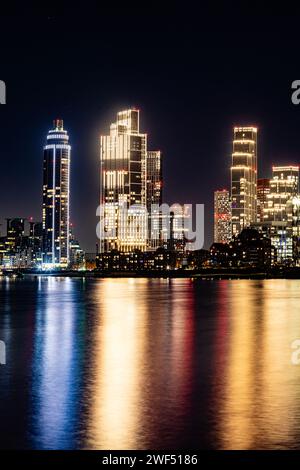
(222,216)
(123,218)
(243,178)
(280,220)
(154,197)
(56,197)
(284,185)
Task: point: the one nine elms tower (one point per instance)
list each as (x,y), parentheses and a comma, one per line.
(56,197)
(123,185)
(243,178)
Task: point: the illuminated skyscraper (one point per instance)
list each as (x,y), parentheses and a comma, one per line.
(56,196)
(283,186)
(123,219)
(154,197)
(243,178)
(222,217)
(263,190)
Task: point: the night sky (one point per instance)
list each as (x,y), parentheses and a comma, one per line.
(193,75)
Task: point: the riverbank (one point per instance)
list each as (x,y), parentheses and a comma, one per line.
(205,273)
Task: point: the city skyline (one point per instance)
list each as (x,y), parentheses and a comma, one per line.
(158,176)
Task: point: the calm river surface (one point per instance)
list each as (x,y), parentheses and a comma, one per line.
(149,363)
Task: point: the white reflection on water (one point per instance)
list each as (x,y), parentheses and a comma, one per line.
(54,365)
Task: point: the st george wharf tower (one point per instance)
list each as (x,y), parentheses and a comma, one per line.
(56,197)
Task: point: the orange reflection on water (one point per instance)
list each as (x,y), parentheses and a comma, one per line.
(259,377)
(182,314)
(142,363)
(153,382)
(116,368)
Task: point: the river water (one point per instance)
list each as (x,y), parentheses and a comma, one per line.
(149,364)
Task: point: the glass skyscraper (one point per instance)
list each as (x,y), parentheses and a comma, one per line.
(56,197)
(154,197)
(243,178)
(123,215)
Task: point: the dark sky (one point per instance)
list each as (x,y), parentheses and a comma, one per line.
(193,74)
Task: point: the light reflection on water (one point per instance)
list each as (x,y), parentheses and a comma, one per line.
(149,363)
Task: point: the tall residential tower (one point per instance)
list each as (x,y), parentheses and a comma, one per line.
(284,185)
(56,197)
(243,178)
(222,216)
(123,219)
(154,197)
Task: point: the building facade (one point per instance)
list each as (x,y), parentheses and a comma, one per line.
(56,197)
(222,216)
(279,219)
(243,178)
(263,191)
(123,218)
(284,185)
